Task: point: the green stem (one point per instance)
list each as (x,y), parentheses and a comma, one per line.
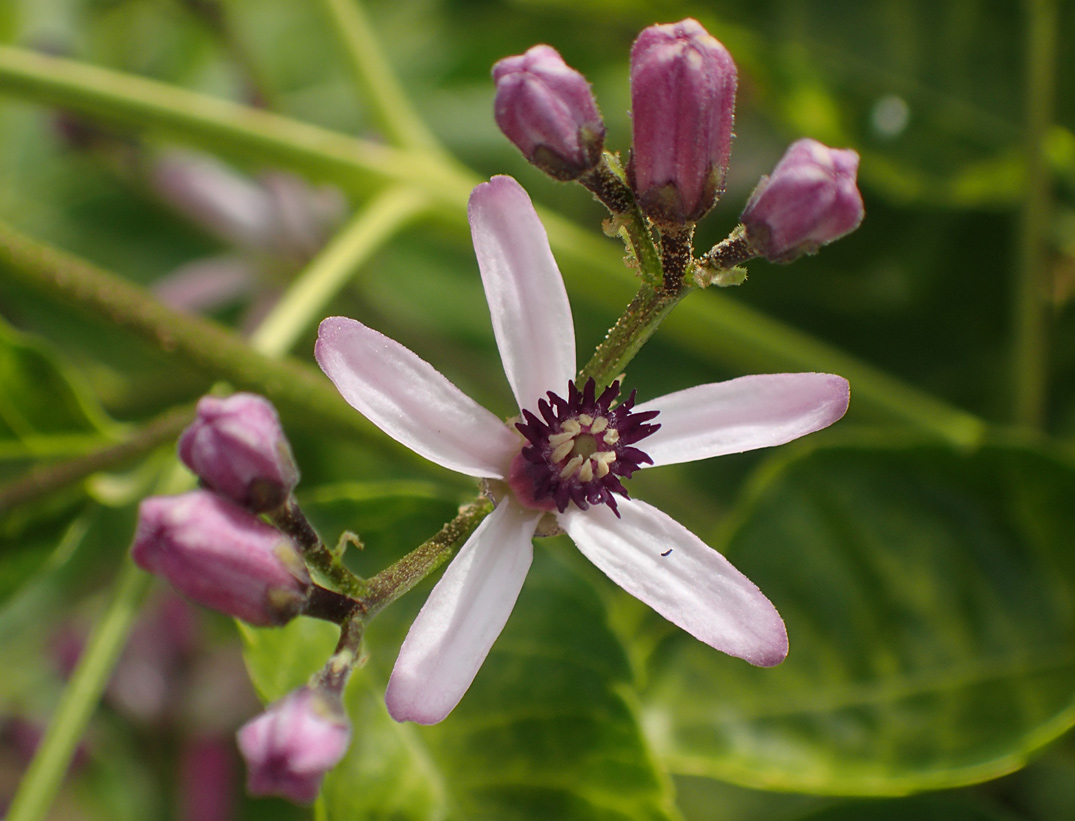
(222,126)
(397,579)
(217,351)
(47,479)
(309,297)
(378,84)
(631,331)
(1030,349)
(45,774)
(608,183)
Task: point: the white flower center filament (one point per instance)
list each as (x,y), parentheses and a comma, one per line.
(583,447)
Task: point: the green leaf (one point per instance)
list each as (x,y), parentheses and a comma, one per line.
(548,730)
(930,602)
(921,808)
(43,409)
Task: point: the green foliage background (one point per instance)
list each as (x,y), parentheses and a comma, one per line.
(921,551)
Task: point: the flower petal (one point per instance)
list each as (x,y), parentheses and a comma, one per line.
(743,414)
(412,401)
(527,300)
(658,561)
(462,617)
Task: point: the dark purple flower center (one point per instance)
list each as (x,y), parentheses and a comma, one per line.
(579,449)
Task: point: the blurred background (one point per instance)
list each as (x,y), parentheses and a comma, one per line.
(921,551)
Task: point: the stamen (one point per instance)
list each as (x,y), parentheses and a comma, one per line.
(586,471)
(571,466)
(604,460)
(558,439)
(561,451)
(579,448)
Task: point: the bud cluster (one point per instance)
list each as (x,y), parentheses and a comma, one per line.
(683,86)
(214,547)
(209,543)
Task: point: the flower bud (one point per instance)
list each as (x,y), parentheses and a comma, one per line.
(810,199)
(547,109)
(289,748)
(237,448)
(221,556)
(682,106)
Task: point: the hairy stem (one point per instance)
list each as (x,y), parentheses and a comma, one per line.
(397,579)
(631,331)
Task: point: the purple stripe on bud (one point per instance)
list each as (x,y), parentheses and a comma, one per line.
(237,448)
(289,748)
(221,556)
(809,200)
(682,106)
(547,109)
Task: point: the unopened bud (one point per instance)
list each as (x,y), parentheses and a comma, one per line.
(809,200)
(221,556)
(682,107)
(237,448)
(547,109)
(292,745)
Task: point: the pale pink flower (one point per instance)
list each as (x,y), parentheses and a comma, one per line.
(562,460)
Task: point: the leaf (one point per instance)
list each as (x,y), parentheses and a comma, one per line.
(43,410)
(548,730)
(930,601)
(921,808)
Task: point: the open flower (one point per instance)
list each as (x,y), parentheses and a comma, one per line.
(562,460)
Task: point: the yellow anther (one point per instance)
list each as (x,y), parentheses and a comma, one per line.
(599,424)
(585,419)
(586,471)
(570,467)
(612,436)
(558,439)
(561,450)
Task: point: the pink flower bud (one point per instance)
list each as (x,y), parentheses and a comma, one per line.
(221,556)
(682,106)
(237,448)
(547,109)
(810,199)
(289,748)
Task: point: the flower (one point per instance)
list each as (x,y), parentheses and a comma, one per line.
(646,552)
(810,199)
(547,109)
(221,556)
(236,446)
(289,748)
(682,106)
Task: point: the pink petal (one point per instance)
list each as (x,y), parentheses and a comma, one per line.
(462,617)
(411,401)
(658,561)
(527,300)
(743,414)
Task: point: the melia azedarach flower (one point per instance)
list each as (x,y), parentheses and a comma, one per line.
(562,459)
